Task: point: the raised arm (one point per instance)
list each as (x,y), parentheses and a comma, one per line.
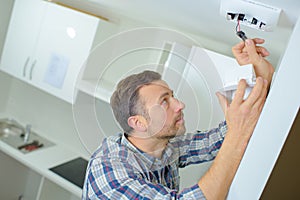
(249,52)
(241,117)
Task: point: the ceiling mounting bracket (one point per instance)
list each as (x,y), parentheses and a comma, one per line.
(251,13)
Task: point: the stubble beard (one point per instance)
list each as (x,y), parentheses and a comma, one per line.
(171,131)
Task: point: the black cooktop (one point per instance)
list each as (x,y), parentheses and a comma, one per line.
(73,170)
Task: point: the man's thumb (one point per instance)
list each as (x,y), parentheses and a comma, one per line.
(254,57)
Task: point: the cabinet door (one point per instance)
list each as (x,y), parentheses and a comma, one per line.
(22,36)
(64,44)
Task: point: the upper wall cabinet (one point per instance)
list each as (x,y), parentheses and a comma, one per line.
(47,44)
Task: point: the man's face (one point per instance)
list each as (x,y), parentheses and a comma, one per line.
(164,110)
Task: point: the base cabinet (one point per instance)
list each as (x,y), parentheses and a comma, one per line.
(13,178)
(19,182)
(50,191)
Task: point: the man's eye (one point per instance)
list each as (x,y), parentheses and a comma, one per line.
(164,102)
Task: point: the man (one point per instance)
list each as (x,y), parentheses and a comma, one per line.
(142,163)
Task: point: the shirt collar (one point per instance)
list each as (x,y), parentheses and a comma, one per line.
(149,161)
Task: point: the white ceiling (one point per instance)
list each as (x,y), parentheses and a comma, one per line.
(198,18)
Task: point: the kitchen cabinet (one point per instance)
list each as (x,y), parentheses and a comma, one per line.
(50,190)
(26,183)
(27,176)
(47,44)
(21,38)
(12,175)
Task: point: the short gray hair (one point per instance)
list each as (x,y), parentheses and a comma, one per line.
(125,100)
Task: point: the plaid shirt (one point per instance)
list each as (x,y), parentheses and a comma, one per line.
(119,170)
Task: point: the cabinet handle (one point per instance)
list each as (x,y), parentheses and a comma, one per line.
(25,66)
(31,69)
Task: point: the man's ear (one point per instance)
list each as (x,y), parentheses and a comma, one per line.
(138,123)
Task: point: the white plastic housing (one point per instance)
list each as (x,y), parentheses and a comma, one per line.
(267,16)
(232,78)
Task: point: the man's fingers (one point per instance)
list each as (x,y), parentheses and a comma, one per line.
(240,92)
(262,51)
(248,51)
(258,40)
(237,49)
(256,92)
(254,57)
(262,98)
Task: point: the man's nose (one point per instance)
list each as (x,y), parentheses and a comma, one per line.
(178,105)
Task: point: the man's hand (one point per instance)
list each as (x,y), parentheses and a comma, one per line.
(242,115)
(249,53)
(241,118)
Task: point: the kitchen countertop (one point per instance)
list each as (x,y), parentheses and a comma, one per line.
(43,159)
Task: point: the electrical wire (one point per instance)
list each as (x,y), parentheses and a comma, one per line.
(238,26)
(238,31)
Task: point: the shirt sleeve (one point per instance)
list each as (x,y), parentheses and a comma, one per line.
(201,146)
(114,179)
